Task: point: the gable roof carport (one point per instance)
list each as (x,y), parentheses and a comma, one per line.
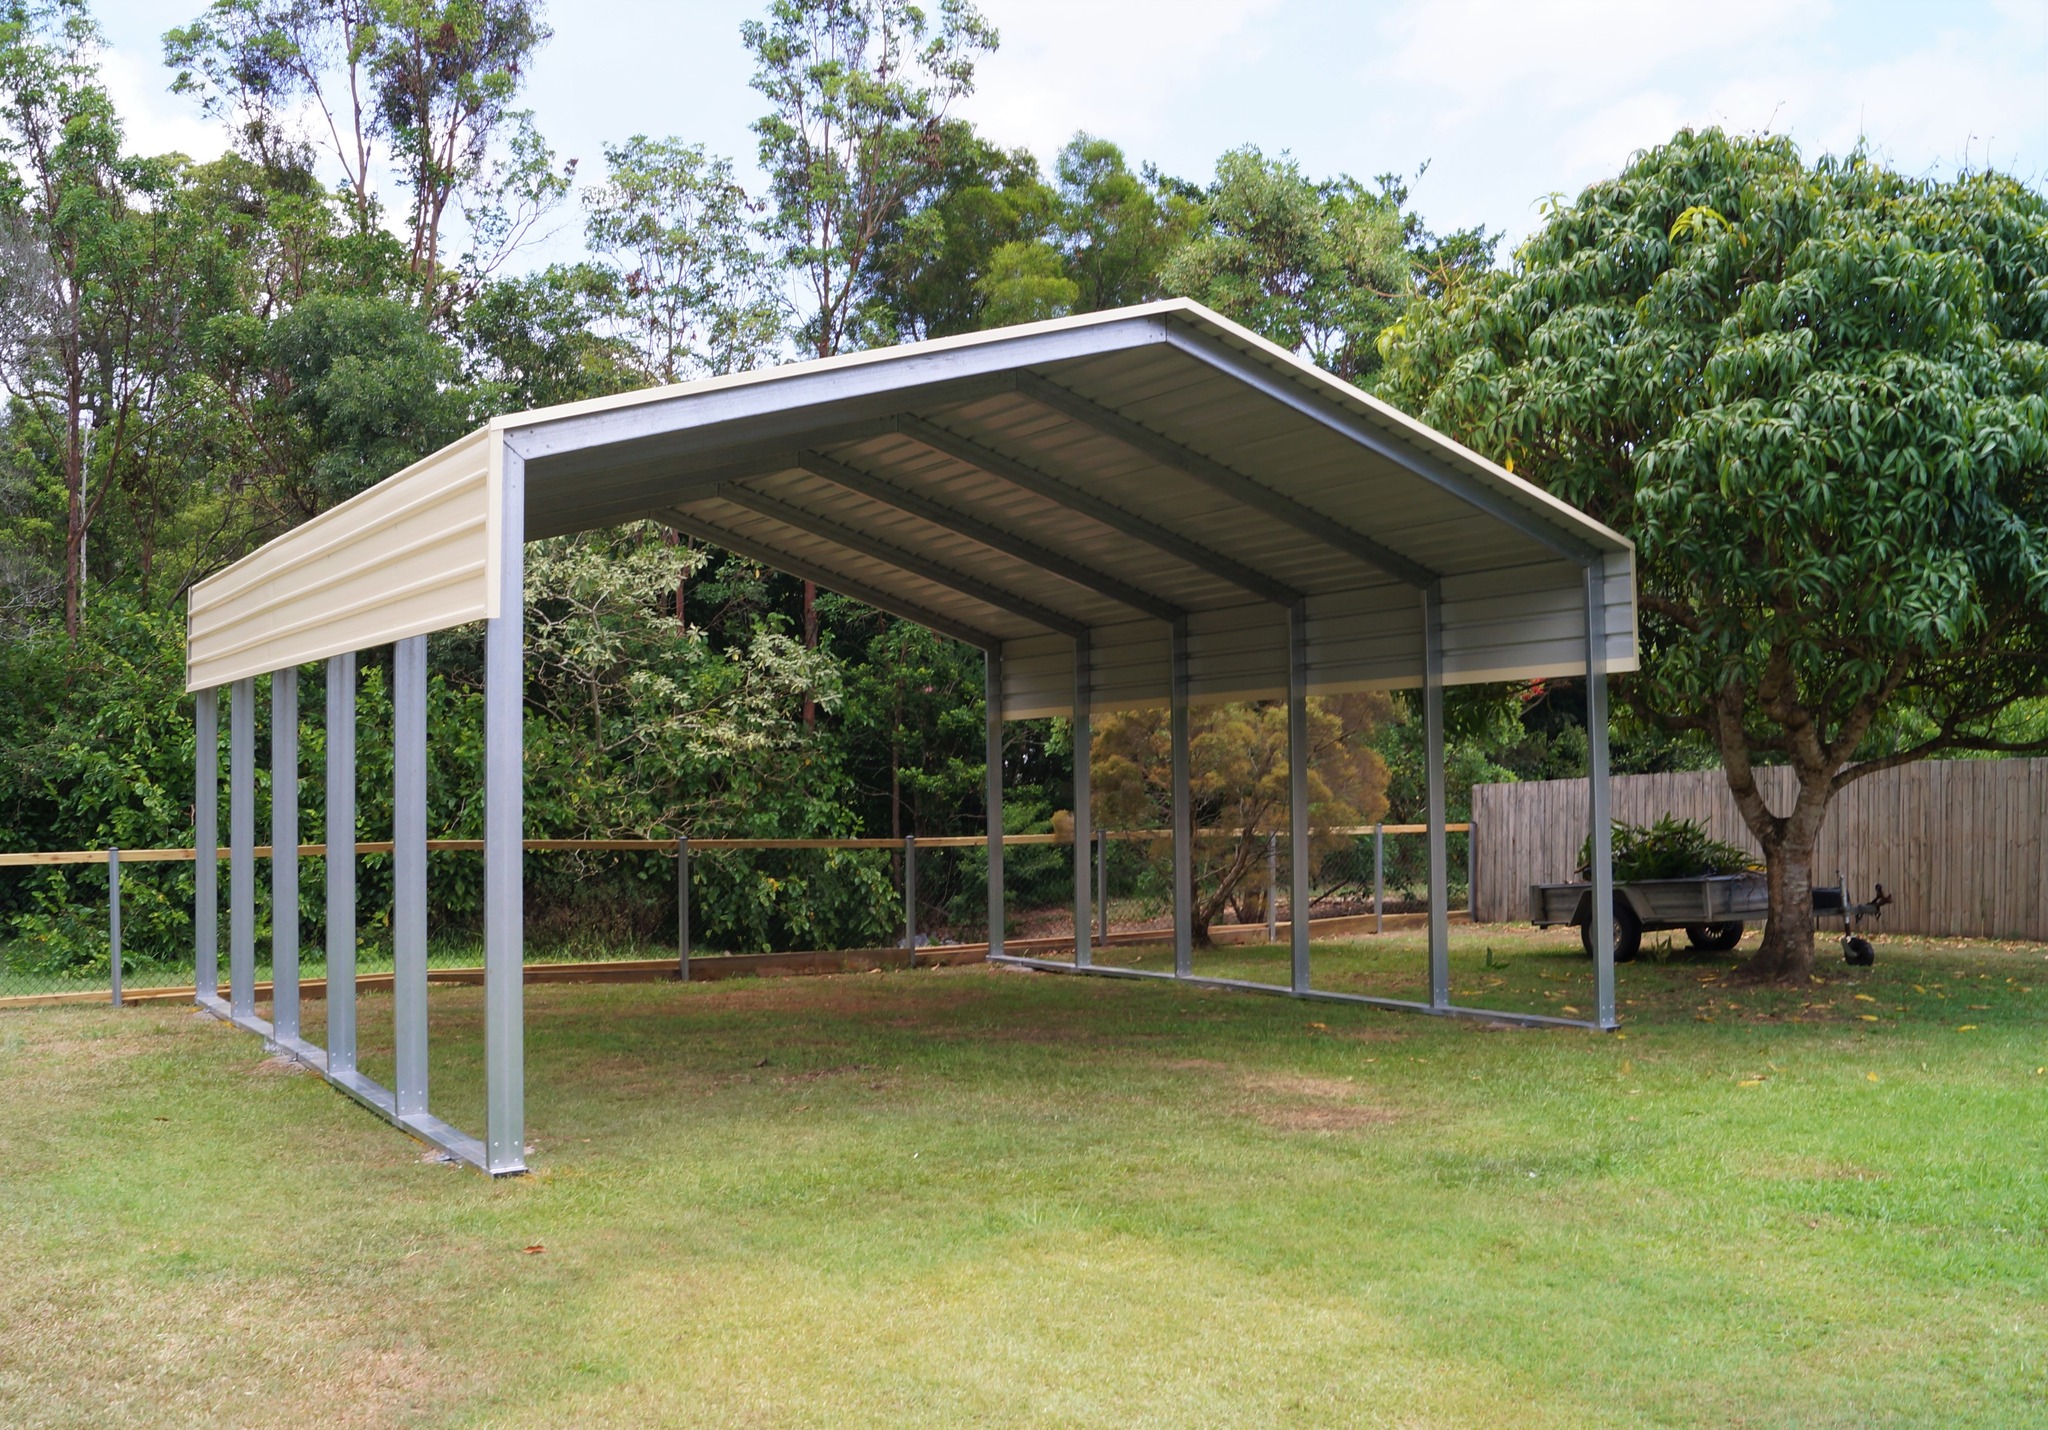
(1145,506)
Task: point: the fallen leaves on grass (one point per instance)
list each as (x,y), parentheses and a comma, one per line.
(533,1250)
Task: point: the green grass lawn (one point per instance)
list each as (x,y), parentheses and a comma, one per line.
(995,1197)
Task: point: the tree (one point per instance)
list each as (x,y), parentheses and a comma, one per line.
(105,287)
(1319,268)
(432,81)
(1117,228)
(858,93)
(1817,398)
(670,237)
(1239,768)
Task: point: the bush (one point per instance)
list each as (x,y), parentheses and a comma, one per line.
(1669,849)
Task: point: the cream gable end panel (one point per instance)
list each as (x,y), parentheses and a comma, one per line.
(412,554)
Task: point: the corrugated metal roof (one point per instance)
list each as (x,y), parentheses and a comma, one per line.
(1103,472)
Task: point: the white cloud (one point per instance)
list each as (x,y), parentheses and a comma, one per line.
(1123,69)
(152,120)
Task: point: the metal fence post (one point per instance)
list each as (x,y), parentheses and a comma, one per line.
(1102,884)
(114,920)
(683,907)
(1379,877)
(1471,871)
(910,896)
(1273,886)
(1299,866)
(993,778)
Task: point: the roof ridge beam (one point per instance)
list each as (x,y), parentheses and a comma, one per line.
(1325,410)
(948,518)
(1063,493)
(1227,480)
(873,547)
(692,525)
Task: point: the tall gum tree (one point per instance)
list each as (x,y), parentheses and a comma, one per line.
(1817,397)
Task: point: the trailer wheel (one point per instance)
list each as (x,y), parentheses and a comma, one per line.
(1628,932)
(1713,938)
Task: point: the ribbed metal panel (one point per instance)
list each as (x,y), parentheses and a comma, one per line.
(1247,478)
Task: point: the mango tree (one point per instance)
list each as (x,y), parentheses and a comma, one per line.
(1817,398)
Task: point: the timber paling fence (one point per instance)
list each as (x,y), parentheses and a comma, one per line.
(1962,845)
(1367,870)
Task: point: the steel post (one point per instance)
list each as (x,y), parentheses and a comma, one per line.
(505,830)
(1102,885)
(992,673)
(409,872)
(1599,829)
(683,907)
(284,854)
(1183,801)
(910,896)
(242,849)
(1273,887)
(1297,793)
(114,923)
(1084,695)
(1433,763)
(1379,877)
(206,845)
(341,864)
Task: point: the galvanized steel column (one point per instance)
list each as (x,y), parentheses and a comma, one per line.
(206,845)
(1272,887)
(992,674)
(1183,802)
(1102,885)
(242,848)
(1433,765)
(341,864)
(1083,819)
(505,834)
(409,871)
(1599,830)
(1379,877)
(1297,792)
(284,854)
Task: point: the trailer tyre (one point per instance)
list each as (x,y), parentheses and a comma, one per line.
(1713,938)
(1628,932)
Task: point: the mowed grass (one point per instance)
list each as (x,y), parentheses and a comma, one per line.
(994,1197)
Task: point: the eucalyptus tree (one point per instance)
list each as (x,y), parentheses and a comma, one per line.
(1817,398)
(429,87)
(671,240)
(858,94)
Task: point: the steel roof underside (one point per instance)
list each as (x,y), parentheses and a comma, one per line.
(1114,473)
(1093,473)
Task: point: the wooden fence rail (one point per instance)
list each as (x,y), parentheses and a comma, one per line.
(1961,844)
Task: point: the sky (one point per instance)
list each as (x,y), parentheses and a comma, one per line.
(1494,104)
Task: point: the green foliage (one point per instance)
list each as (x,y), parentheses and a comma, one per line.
(1671,848)
(1817,398)
(858,90)
(1319,268)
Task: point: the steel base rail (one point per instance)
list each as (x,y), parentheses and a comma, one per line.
(1312,995)
(460,1146)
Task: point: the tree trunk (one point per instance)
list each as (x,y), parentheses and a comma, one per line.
(1786,953)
